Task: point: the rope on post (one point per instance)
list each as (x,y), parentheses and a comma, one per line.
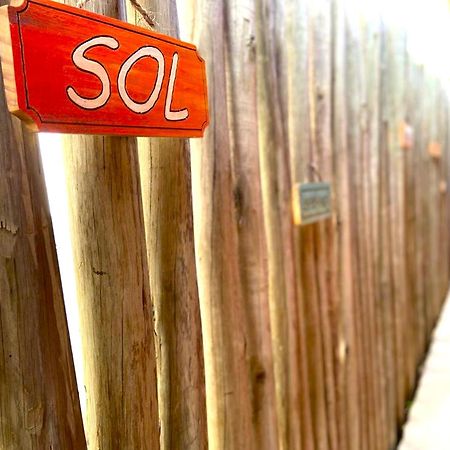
(148,16)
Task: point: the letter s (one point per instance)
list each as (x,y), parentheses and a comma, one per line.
(87,65)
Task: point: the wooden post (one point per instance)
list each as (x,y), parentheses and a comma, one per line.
(370,119)
(167,199)
(348,351)
(286,301)
(413,212)
(113,289)
(39,404)
(321,157)
(252,244)
(230,245)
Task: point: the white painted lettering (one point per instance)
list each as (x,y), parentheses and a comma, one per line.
(169,114)
(141,108)
(94,67)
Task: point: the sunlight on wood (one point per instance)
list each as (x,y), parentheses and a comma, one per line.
(51,152)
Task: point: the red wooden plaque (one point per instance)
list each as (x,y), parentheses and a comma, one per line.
(72,71)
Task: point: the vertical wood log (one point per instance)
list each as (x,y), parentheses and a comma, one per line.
(228,357)
(410,244)
(367,194)
(385,262)
(297,112)
(427,162)
(443,235)
(371,144)
(446,249)
(288,326)
(167,200)
(415,113)
(414,332)
(434,165)
(252,246)
(346,365)
(113,289)
(320,94)
(39,404)
(393,112)
(354,142)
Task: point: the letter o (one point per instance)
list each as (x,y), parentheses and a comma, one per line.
(141,108)
(94,67)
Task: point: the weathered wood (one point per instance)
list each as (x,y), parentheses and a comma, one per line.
(385,262)
(224,311)
(443,190)
(416,178)
(320,91)
(116,314)
(252,245)
(370,112)
(39,404)
(167,201)
(296,105)
(393,112)
(113,294)
(346,364)
(355,152)
(288,326)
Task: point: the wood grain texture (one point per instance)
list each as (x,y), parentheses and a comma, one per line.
(116,314)
(371,61)
(113,293)
(7,60)
(348,383)
(100,69)
(247,192)
(320,92)
(167,200)
(395,106)
(226,332)
(39,404)
(286,303)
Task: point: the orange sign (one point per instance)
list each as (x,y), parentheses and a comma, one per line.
(435,149)
(406,135)
(72,71)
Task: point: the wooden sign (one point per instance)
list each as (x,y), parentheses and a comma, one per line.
(72,71)
(405,135)
(435,150)
(311,202)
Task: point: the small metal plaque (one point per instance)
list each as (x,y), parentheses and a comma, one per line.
(311,202)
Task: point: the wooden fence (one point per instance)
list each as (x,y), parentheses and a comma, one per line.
(210,320)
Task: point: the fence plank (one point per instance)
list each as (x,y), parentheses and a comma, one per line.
(229,380)
(287,304)
(297,112)
(165,170)
(39,404)
(116,316)
(252,245)
(321,156)
(346,365)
